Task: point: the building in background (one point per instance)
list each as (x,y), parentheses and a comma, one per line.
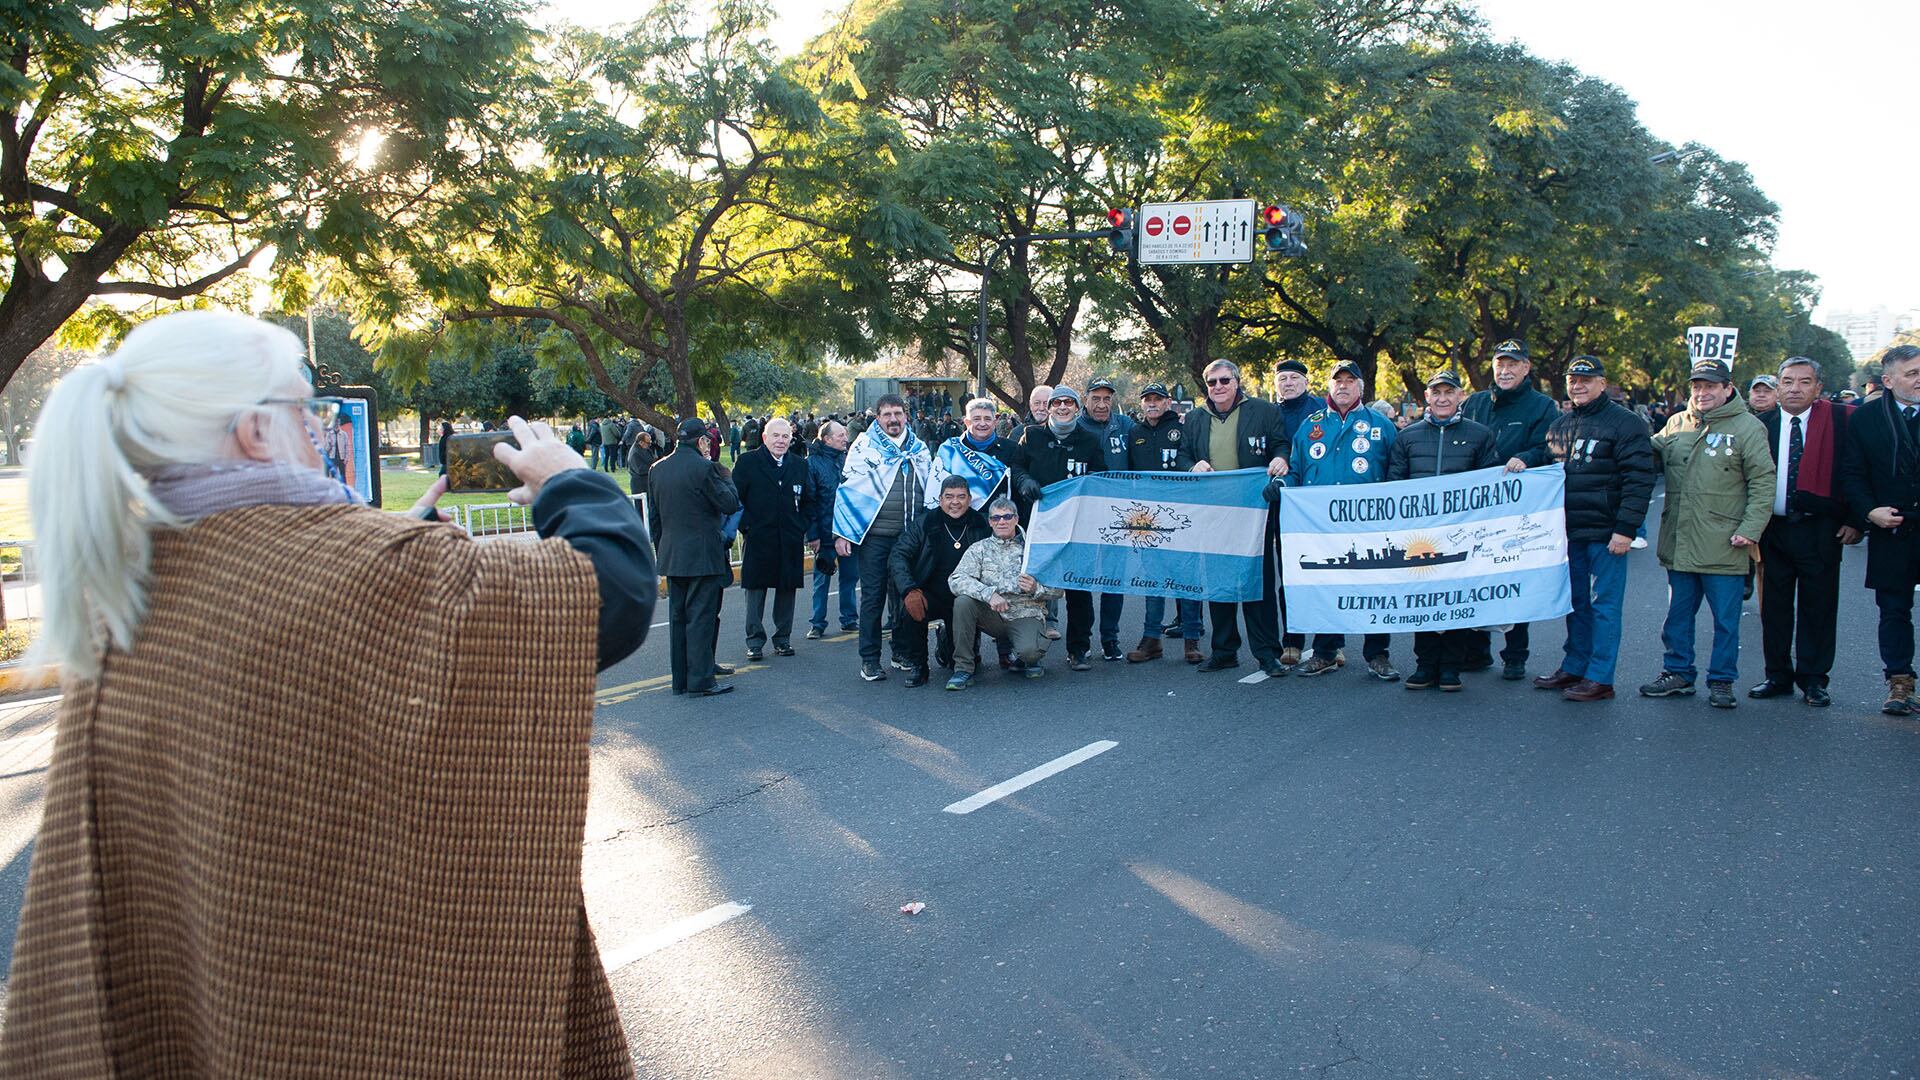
(1867,332)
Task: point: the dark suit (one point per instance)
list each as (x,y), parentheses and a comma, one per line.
(1881,467)
(776,503)
(1800,559)
(687,497)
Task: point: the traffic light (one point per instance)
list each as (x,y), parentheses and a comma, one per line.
(1120,236)
(1282,228)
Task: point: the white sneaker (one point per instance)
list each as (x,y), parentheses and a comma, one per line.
(1639,543)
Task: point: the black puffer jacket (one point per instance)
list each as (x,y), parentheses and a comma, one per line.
(930,547)
(1608,453)
(1430,449)
(1052,458)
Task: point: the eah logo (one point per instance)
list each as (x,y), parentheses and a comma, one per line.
(1143,525)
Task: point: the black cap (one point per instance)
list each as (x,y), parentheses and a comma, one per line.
(1710,371)
(692,428)
(1153,388)
(1099,384)
(1444,378)
(1290,365)
(1587,365)
(1347,367)
(1513,347)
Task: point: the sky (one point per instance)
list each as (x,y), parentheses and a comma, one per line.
(1822,102)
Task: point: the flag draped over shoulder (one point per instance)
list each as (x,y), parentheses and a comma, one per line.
(1483,548)
(872,462)
(982,471)
(1194,536)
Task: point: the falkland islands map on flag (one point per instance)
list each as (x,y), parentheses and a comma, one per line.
(1194,536)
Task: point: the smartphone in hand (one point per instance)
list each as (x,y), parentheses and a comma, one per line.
(471,465)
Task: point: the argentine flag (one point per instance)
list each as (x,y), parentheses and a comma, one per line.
(982,470)
(1193,536)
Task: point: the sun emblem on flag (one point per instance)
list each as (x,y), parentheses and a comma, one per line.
(1143,525)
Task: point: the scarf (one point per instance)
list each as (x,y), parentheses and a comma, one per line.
(192,492)
(1816,454)
(1059,431)
(873,460)
(961,457)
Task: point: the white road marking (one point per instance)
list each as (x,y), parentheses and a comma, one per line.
(1032,776)
(671,934)
(656,626)
(1255,679)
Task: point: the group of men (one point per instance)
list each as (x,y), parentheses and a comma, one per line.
(927,546)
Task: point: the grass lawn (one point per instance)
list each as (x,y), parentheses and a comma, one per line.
(401,488)
(14,524)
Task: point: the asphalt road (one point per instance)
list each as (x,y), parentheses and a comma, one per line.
(1292,877)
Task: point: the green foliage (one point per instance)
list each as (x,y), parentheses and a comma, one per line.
(156,149)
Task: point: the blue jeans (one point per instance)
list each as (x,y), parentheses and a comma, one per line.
(848,569)
(1192,621)
(1599,580)
(1723,594)
(873,557)
(1110,605)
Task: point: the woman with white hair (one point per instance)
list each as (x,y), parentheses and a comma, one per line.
(317,794)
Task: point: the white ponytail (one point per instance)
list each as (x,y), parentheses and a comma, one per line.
(169,396)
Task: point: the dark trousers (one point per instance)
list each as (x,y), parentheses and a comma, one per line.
(782,617)
(1445,650)
(1896,629)
(873,591)
(910,634)
(693,621)
(1262,617)
(1371,645)
(1799,583)
(1514,652)
(1110,605)
(1079,621)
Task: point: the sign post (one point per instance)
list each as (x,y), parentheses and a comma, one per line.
(1212,232)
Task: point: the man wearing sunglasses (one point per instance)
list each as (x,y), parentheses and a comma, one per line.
(1234,431)
(991,594)
(1057,450)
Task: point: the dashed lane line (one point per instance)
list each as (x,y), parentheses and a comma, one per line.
(1032,776)
(671,934)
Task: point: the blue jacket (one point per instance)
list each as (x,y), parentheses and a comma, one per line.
(1294,413)
(1329,450)
(824,463)
(1113,437)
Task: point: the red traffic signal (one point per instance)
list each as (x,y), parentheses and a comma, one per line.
(1120,219)
(1120,236)
(1274,216)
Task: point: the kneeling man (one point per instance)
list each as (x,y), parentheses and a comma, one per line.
(991,594)
(930,548)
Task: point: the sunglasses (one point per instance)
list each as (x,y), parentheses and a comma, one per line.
(1224,381)
(1002,517)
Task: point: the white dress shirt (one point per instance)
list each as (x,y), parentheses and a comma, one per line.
(1787,420)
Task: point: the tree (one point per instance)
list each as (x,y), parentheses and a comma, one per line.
(650,222)
(154,150)
(20,402)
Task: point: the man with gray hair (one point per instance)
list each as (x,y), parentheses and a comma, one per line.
(992,594)
(1800,551)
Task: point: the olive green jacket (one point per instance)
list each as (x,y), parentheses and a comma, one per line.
(1719,485)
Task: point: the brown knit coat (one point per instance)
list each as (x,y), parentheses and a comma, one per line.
(325,819)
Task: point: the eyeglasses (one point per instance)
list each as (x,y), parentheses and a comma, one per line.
(1002,517)
(1063,403)
(325,411)
(1224,380)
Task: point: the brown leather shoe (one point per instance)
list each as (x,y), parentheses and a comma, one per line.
(1559,680)
(1587,690)
(1194,655)
(1148,649)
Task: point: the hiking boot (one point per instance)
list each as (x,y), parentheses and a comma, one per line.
(1588,690)
(1315,665)
(1450,681)
(960,680)
(1148,649)
(1078,662)
(1193,654)
(871,671)
(1110,651)
(1290,656)
(1382,668)
(1667,685)
(1423,677)
(1559,680)
(1720,695)
(1513,670)
(1899,696)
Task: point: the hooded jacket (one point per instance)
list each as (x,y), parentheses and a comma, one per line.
(1719,485)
